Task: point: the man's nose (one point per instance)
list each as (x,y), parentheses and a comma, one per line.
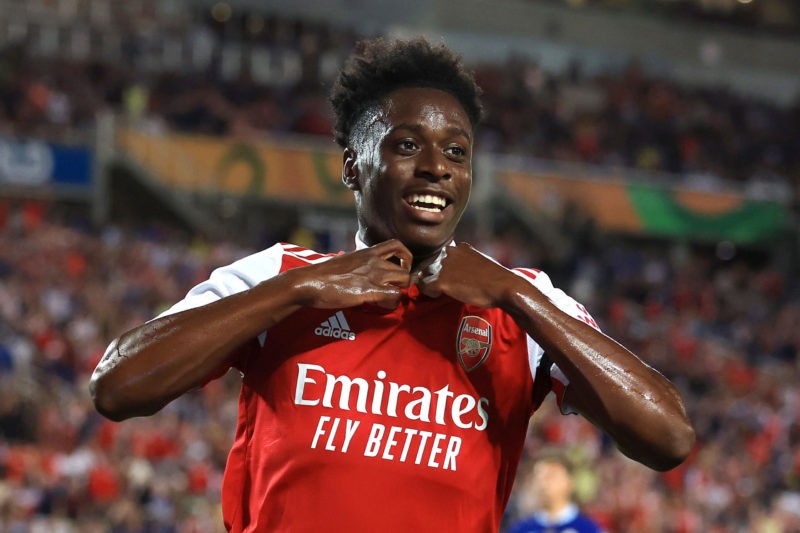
(433,165)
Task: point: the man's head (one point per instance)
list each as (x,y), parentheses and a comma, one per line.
(405,115)
(380,66)
(551,483)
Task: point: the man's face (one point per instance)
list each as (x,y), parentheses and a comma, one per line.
(411,168)
(551,484)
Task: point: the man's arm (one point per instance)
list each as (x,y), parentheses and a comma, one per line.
(152,364)
(632,402)
(629,400)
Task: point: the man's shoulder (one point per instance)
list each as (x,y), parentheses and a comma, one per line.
(284,254)
(526,525)
(534,275)
(300,252)
(579,523)
(587,524)
(262,265)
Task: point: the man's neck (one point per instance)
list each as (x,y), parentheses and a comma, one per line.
(557,512)
(418,264)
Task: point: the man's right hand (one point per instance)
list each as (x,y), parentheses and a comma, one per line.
(373,275)
(150,365)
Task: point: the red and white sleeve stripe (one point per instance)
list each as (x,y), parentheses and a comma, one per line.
(246,273)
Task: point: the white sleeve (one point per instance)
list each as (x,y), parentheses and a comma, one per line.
(567,304)
(231,279)
(225,281)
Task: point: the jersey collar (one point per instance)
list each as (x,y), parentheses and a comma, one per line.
(566,515)
(360,245)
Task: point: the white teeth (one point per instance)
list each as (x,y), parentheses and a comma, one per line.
(429,200)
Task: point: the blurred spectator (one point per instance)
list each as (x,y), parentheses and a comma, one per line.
(549,493)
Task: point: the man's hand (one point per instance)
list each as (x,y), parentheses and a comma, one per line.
(373,275)
(466,275)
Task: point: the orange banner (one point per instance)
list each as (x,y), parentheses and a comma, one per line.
(604,201)
(266,169)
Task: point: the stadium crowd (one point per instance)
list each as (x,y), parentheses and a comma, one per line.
(726,332)
(628,118)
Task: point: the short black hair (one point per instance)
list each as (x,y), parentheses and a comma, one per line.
(379,66)
(554,457)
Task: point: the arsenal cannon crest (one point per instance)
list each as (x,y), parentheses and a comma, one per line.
(474,342)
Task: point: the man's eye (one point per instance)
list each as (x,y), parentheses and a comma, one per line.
(407,145)
(456,151)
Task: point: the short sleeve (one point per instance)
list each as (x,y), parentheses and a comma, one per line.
(226,281)
(231,279)
(546,375)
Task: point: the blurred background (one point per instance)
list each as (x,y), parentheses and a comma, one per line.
(646,154)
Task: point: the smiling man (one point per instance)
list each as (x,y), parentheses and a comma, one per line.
(409,161)
(390,388)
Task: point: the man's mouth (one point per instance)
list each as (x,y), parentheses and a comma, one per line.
(431,203)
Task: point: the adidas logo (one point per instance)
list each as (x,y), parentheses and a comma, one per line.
(337,327)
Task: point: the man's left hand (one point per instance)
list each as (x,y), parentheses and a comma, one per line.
(466,275)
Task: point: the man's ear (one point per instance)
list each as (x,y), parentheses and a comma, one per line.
(350,169)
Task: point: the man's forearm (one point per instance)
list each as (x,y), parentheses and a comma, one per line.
(152,364)
(632,402)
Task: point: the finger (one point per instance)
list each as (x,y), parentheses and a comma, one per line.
(387,298)
(389,303)
(394,249)
(429,286)
(396,278)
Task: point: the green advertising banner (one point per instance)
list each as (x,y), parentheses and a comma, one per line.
(646,209)
(662,213)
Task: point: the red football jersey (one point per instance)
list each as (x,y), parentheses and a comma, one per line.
(361,419)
